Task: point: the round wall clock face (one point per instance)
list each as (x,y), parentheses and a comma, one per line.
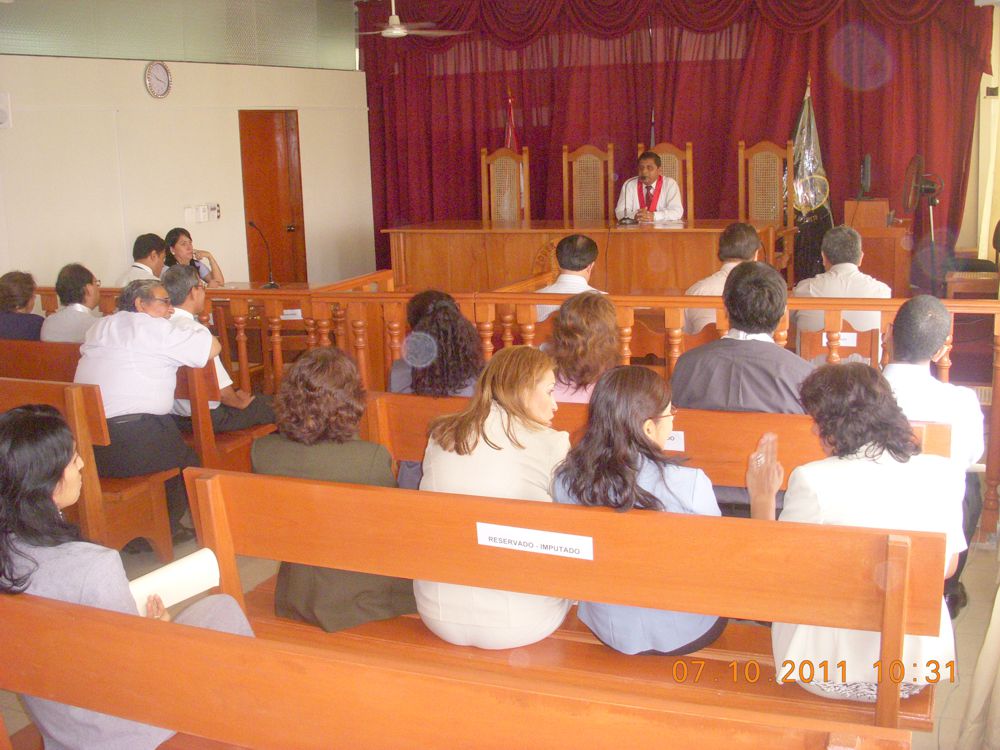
(158,79)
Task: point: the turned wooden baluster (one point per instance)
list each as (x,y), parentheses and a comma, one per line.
(625,319)
(240,323)
(673,322)
(395,330)
(507,329)
(944,364)
(277,356)
(832,323)
(486,337)
(360,329)
(781,334)
(340,326)
(991,507)
(324,331)
(310,333)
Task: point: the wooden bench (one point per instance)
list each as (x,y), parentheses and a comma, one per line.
(732,567)
(258,693)
(111,511)
(37,360)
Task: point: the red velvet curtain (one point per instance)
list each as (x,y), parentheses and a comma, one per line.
(889,77)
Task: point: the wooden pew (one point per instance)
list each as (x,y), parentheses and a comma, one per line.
(111,511)
(733,567)
(222,450)
(36,360)
(717,442)
(258,693)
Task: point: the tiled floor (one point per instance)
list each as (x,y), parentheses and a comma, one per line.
(980,578)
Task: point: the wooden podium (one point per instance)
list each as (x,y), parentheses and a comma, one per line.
(887,247)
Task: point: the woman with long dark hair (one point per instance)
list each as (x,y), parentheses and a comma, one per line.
(584,345)
(619,463)
(442,357)
(42,554)
(874,476)
(500,445)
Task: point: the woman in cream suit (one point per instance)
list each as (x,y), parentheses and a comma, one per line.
(500,445)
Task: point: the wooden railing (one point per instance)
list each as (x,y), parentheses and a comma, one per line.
(365,318)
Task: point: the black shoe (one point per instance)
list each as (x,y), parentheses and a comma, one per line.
(137,546)
(956,598)
(182,534)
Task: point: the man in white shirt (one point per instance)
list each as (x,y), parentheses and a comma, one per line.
(149,254)
(79,291)
(237,410)
(919,333)
(842,255)
(650,196)
(576,255)
(738,243)
(133,356)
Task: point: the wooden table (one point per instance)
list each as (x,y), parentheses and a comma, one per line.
(478,256)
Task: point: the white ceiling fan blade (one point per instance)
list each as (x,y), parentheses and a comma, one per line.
(438,32)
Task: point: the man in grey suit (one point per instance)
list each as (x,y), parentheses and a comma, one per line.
(744,370)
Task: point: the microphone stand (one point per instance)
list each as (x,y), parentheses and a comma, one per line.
(271,283)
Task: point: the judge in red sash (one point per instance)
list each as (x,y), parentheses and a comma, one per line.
(651,196)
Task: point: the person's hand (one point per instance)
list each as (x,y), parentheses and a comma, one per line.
(243,399)
(204,255)
(764,476)
(643,215)
(155,608)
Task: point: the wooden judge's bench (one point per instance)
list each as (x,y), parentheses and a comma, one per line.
(479,256)
(888,249)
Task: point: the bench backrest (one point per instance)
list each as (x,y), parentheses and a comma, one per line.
(718,566)
(717,442)
(81,407)
(258,693)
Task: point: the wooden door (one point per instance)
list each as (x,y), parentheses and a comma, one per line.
(272,193)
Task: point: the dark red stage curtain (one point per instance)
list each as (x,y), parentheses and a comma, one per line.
(889,77)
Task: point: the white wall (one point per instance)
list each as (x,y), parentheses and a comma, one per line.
(92,161)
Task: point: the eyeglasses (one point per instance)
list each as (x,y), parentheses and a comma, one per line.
(162,300)
(96,282)
(669,415)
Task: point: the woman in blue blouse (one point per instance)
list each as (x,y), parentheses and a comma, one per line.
(619,464)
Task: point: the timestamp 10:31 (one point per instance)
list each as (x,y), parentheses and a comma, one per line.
(807,671)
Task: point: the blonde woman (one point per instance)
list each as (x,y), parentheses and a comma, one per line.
(500,445)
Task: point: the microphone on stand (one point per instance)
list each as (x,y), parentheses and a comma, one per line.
(271,283)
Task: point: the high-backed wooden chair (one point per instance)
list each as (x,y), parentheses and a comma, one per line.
(765,173)
(677,164)
(506,186)
(593,183)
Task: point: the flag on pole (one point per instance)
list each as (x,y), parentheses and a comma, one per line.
(811,192)
(510,139)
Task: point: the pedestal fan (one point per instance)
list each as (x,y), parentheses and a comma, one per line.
(917,185)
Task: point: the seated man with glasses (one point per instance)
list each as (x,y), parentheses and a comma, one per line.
(237,410)
(79,291)
(133,356)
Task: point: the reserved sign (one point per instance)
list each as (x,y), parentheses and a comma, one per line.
(534,540)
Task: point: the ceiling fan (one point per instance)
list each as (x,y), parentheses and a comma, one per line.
(396,29)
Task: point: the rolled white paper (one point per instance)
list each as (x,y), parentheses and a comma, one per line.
(178,581)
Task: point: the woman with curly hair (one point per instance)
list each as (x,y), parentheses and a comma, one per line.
(584,345)
(17,297)
(619,463)
(500,445)
(874,476)
(442,357)
(318,407)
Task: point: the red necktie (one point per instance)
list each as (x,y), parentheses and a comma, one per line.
(649,197)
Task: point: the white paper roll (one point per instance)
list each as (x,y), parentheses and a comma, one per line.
(179,580)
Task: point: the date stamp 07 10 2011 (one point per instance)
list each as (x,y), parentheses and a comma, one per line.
(806,671)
